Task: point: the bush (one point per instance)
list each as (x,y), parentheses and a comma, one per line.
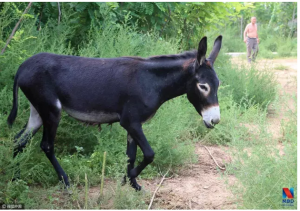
(259,86)
(269,43)
(124,40)
(287,48)
(232,41)
(264,53)
(127,199)
(28,41)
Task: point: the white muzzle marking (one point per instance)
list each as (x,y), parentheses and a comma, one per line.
(211,115)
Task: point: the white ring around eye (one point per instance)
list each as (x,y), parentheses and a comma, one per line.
(204,88)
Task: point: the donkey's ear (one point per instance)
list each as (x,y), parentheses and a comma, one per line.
(202,50)
(215,51)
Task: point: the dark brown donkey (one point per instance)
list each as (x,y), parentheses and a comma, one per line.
(128,90)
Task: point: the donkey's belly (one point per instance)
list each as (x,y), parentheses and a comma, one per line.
(94,116)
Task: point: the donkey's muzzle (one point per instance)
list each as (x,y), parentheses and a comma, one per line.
(211,116)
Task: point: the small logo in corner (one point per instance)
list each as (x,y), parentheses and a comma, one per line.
(288,193)
(288,197)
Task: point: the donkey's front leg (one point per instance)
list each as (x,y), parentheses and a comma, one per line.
(131,153)
(136,132)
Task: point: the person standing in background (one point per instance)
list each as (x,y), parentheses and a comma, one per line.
(251,39)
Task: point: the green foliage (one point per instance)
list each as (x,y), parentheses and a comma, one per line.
(287,47)
(264,53)
(127,199)
(252,84)
(232,41)
(124,40)
(270,41)
(281,67)
(17,189)
(266,167)
(276,28)
(28,41)
(183,21)
(242,123)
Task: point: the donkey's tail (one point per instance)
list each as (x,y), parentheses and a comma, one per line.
(14,111)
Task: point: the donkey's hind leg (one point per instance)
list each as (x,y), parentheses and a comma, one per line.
(22,138)
(51,115)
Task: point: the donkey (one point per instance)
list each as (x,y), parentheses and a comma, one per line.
(128,90)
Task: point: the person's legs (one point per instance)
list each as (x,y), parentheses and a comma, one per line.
(255,50)
(249,47)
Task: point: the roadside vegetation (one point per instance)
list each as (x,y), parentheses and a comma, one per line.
(245,95)
(272,44)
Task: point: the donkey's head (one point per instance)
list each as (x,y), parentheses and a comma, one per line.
(203,86)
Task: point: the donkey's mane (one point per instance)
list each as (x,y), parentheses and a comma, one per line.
(184,55)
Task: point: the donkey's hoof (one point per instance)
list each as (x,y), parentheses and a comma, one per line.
(135,185)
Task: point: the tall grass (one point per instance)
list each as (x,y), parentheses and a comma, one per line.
(255,84)
(266,167)
(232,40)
(125,40)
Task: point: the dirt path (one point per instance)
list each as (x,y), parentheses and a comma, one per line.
(200,185)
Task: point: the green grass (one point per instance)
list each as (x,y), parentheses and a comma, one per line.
(281,67)
(266,170)
(246,83)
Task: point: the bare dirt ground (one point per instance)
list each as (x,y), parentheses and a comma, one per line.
(200,185)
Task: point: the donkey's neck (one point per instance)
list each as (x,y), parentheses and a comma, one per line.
(171,77)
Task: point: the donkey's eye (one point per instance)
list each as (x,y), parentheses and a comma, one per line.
(203,87)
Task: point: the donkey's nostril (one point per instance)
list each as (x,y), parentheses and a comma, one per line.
(215,121)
